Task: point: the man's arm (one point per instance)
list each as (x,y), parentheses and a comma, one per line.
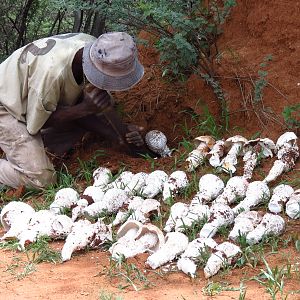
(93,101)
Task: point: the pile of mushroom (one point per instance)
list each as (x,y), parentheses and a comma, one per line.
(135,198)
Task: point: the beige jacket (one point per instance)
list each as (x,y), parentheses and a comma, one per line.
(35,78)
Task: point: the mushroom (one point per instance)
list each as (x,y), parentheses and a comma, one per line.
(175,244)
(287,154)
(281,195)
(177,211)
(154,184)
(64,198)
(135,238)
(157,143)
(244,223)
(111,202)
(84,234)
(216,153)
(257,192)
(203,144)
(41,223)
(220,215)
(235,189)
(102,176)
(138,181)
(235,144)
(188,260)
(269,225)
(176,182)
(14,212)
(121,181)
(293,205)
(225,254)
(78,210)
(210,187)
(254,150)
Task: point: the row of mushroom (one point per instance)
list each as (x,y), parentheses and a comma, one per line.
(135,198)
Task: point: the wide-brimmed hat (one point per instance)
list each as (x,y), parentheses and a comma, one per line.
(111,62)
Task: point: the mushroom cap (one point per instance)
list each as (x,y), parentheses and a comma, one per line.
(207,139)
(235,139)
(287,137)
(102,176)
(12,210)
(266,142)
(150,228)
(131,227)
(155,140)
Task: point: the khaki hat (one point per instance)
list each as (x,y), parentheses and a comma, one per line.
(111,63)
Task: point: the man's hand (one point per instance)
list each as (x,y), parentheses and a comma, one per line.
(96,100)
(134,135)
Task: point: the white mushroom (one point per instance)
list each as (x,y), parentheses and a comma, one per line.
(293,205)
(102,176)
(287,154)
(220,215)
(40,224)
(203,144)
(135,238)
(176,243)
(13,211)
(136,184)
(187,262)
(280,196)
(84,234)
(178,210)
(121,181)
(257,192)
(154,184)
(269,225)
(225,255)
(235,144)
(216,153)
(176,182)
(254,150)
(287,138)
(157,142)
(111,202)
(64,198)
(210,187)
(235,189)
(244,223)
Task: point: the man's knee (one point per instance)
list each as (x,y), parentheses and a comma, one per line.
(40,179)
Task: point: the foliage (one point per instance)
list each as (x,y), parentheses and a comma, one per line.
(261,82)
(291,115)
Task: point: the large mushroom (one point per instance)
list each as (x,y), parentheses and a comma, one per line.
(257,192)
(269,225)
(293,205)
(287,154)
(255,150)
(176,243)
(203,144)
(157,143)
(135,238)
(235,145)
(224,255)
(216,153)
(280,196)
(176,182)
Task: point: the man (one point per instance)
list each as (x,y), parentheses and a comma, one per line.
(43,102)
